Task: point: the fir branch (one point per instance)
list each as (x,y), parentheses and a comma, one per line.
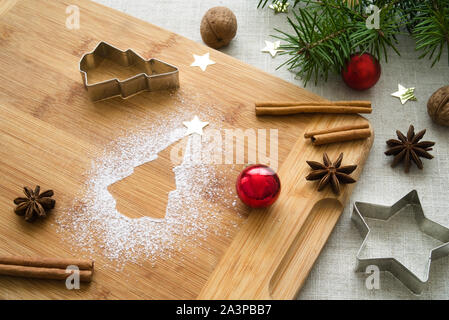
(377,41)
(308,46)
(327,32)
(431,31)
(320,44)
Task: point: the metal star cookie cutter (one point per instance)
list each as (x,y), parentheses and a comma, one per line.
(155,75)
(364,210)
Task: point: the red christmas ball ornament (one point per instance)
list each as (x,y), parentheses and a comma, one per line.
(361,72)
(258,186)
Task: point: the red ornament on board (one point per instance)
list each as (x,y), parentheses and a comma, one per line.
(361,72)
(258,186)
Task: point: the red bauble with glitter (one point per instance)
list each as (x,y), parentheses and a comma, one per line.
(258,186)
(361,72)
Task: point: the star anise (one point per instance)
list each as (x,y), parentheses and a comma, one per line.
(331,173)
(35,204)
(408,148)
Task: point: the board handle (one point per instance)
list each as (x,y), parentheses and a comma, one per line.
(271,261)
(295,266)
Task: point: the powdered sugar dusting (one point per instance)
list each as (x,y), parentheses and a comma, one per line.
(94,226)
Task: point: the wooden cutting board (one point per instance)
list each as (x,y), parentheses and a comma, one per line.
(50,134)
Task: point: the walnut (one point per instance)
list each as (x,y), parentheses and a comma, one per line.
(218,27)
(438,106)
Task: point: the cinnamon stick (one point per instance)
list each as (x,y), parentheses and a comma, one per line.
(293,107)
(45,268)
(340,136)
(58,263)
(310,134)
(275,104)
(274,111)
(42,273)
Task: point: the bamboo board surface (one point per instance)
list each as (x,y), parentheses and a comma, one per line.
(50,133)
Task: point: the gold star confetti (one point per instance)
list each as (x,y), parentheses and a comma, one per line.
(404,94)
(279,6)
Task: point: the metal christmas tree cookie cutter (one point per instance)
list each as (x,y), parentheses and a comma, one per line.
(364,210)
(155,74)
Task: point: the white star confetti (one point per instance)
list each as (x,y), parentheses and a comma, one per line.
(404,94)
(272,47)
(202,61)
(195,126)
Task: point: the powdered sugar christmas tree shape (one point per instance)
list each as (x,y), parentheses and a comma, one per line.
(155,177)
(153,180)
(96,225)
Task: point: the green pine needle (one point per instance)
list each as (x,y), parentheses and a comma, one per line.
(326,32)
(431,31)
